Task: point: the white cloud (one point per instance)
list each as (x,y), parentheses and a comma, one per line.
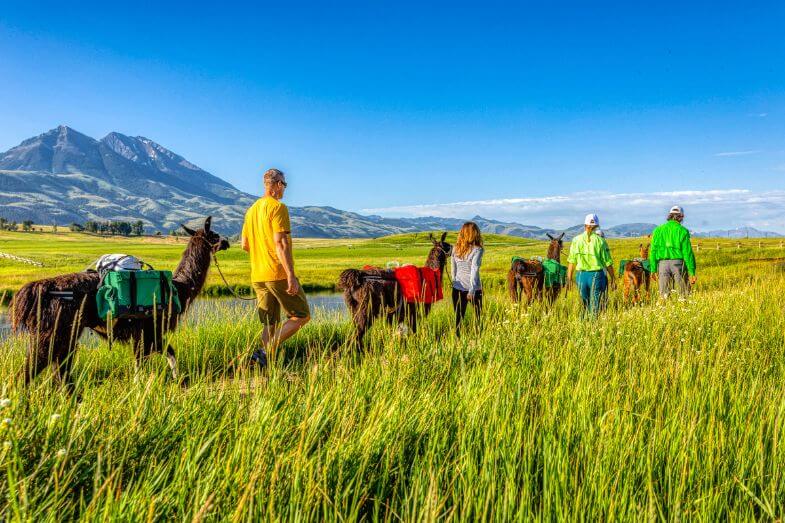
(712,209)
(737,153)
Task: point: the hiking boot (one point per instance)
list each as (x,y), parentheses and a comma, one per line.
(259,358)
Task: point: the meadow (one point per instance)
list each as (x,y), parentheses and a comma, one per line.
(670,411)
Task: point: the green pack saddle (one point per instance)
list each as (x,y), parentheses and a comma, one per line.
(136,294)
(554,272)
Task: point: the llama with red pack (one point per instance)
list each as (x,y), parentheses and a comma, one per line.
(397,294)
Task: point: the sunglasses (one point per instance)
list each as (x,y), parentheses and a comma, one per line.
(283,183)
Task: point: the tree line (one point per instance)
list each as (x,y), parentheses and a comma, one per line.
(119,228)
(114,227)
(8,225)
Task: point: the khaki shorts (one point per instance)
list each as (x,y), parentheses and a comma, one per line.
(271,297)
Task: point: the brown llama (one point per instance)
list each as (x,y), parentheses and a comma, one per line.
(55,324)
(636,276)
(372,293)
(526,278)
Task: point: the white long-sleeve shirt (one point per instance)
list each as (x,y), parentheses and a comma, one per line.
(465,271)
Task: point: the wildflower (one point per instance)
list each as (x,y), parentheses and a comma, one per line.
(5,402)
(61,453)
(7,444)
(7,421)
(54,417)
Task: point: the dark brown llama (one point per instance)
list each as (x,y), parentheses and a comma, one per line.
(526,278)
(55,324)
(635,277)
(370,294)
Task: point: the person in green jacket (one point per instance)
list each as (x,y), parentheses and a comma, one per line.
(590,255)
(671,258)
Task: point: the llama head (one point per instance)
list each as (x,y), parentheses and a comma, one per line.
(213,239)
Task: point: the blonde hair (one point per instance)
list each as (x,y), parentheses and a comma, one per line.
(468,237)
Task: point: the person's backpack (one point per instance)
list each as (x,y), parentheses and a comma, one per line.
(126,291)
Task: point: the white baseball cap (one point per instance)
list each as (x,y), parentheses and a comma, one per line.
(591,219)
(676,210)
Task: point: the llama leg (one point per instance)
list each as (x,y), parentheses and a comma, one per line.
(411,310)
(363,318)
(37,358)
(512,287)
(172,361)
(63,370)
(361,323)
(137,340)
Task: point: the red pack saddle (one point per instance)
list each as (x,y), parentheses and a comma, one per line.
(420,284)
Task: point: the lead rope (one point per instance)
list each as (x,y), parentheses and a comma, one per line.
(217,266)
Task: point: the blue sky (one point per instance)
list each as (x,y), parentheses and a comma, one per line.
(535,112)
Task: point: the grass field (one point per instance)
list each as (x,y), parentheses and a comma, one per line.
(670,411)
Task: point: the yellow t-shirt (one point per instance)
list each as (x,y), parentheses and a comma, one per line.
(263,219)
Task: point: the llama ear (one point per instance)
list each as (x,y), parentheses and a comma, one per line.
(561,236)
(190,232)
(549,236)
(444,235)
(207,223)
(430,237)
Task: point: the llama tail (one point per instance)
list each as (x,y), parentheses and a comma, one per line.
(24,307)
(349,281)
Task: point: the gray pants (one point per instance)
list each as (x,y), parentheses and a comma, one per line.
(672,274)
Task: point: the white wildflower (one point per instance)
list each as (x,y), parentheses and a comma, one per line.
(61,453)
(5,402)
(7,421)
(7,444)
(54,417)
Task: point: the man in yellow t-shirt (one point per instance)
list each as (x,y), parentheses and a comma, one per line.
(267,238)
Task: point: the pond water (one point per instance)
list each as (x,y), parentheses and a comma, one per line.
(321,303)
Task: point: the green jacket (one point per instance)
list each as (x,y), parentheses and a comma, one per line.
(671,241)
(589,253)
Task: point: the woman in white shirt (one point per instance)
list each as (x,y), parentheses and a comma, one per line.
(465,271)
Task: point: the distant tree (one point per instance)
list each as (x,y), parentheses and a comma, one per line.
(137,228)
(158,233)
(54,227)
(27,225)
(75,227)
(3,224)
(122,228)
(91,226)
(12,226)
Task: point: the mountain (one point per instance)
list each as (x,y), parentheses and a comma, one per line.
(630,230)
(741,232)
(64,176)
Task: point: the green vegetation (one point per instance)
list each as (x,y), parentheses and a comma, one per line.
(669,411)
(319,262)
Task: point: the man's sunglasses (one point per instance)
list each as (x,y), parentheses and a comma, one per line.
(282,183)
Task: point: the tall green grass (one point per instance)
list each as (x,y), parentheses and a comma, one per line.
(671,411)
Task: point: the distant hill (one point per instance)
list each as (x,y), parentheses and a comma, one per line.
(741,232)
(64,176)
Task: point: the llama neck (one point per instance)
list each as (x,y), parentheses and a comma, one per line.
(435,262)
(193,267)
